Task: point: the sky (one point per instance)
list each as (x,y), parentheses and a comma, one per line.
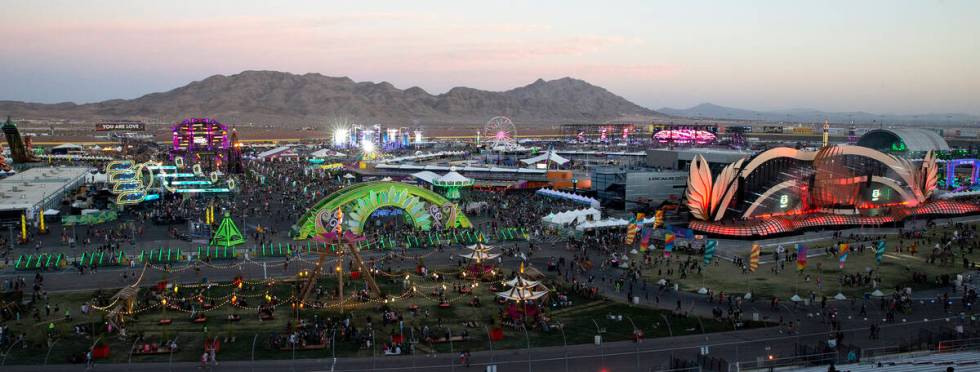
(888,56)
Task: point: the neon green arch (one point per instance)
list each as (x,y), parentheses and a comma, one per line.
(359,201)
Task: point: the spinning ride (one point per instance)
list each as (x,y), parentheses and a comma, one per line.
(452,182)
(500,133)
(479,253)
(522,290)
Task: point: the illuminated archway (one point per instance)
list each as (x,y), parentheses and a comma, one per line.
(425,208)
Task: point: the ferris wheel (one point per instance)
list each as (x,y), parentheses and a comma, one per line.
(499,132)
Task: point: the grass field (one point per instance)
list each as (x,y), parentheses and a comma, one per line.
(252,337)
(895,270)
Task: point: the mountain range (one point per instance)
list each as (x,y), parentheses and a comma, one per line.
(280,98)
(709,110)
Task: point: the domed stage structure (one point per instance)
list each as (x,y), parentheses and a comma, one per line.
(783,190)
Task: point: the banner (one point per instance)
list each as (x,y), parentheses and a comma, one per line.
(800,257)
(880,251)
(668,244)
(645,233)
(633,228)
(754,257)
(709,251)
(631,233)
(844,249)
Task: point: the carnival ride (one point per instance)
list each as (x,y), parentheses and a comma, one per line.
(478,254)
(452,182)
(500,134)
(340,217)
(522,290)
(4,167)
(20,151)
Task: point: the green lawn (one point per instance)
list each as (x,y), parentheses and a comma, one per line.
(577,321)
(895,270)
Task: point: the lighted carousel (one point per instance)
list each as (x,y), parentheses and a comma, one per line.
(452,182)
(480,258)
(523,292)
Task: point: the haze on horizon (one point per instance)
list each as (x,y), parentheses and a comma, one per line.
(880,56)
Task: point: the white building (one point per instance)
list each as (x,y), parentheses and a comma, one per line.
(29,191)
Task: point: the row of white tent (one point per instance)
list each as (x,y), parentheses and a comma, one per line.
(450,178)
(431,167)
(327,153)
(573,217)
(602,224)
(548,156)
(592,202)
(425,156)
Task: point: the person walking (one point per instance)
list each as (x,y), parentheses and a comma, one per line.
(212,354)
(89,360)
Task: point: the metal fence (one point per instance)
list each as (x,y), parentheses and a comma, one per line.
(523,352)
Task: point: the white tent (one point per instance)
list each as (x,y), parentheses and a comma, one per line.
(570,196)
(602,224)
(98,178)
(427,176)
(454,178)
(521,294)
(550,156)
(326,153)
(479,252)
(520,281)
(282,151)
(523,289)
(573,217)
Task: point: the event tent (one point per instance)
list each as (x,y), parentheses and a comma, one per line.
(548,156)
(569,196)
(573,217)
(602,224)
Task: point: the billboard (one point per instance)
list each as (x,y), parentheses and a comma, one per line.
(126,125)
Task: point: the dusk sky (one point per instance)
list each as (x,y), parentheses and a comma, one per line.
(879,56)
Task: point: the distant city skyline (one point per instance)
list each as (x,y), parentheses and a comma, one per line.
(903,57)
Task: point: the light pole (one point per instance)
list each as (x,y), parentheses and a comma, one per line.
(6,353)
(564,341)
(412,345)
(333,344)
(50,347)
(452,353)
(254,340)
(670,332)
(490,339)
(636,336)
(602,351)
(528,338)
